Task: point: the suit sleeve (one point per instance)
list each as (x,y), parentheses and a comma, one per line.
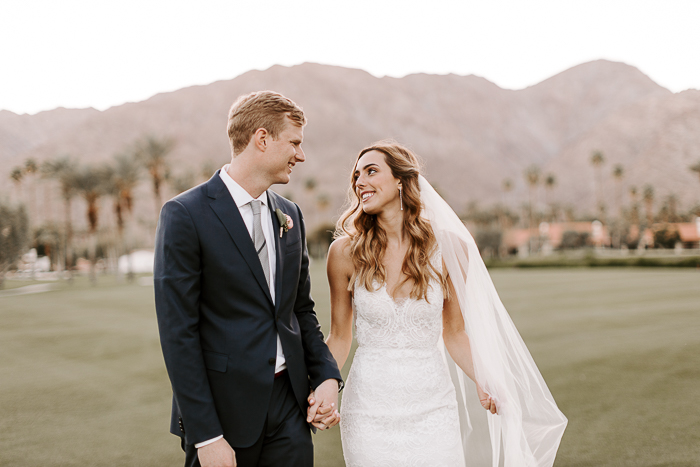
(319,360)
(177,289)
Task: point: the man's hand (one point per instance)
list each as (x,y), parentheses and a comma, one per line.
(487,402)
(217,454)
(323,403)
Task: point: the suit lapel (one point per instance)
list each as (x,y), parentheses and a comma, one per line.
(226,210)
(280,248)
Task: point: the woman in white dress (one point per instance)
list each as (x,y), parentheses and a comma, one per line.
(399,270)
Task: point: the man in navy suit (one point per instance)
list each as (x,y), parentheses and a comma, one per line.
(241,341)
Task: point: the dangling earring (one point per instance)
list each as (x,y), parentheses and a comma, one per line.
(401,197)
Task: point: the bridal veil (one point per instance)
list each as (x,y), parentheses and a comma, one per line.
(529,427)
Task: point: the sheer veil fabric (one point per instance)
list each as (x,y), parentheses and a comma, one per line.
(529,427)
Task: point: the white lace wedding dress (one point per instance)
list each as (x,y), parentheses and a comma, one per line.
(399,406)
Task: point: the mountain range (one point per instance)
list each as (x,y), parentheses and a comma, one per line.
(471,134)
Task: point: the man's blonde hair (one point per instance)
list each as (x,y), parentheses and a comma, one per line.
(260,109)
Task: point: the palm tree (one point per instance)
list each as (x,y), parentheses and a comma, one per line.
(633,194)
(597,160)
(550,181)
(44,171)
(16,176)
(125,176)
(634,207)
(14,236)
(121,180)
(673,207)
(669,209)
(648,197)
(618,174)
(310,189)
(63,169)
(507,187)
(30,166)
(90,183)
(696,168)
(532,177)
(30,169)
(153,152)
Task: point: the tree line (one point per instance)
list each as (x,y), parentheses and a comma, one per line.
(625,216)
(116,180)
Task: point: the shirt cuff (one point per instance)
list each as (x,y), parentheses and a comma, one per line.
(204,443)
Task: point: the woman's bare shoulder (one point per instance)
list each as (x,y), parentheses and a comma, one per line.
(339,254)
(340,248)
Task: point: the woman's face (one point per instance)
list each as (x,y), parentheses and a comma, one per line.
(375,185)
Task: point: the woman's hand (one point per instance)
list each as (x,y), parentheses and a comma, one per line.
(487,402)
(322,415)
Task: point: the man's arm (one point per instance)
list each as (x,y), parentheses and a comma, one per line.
(177,288)
(318,358)
(323,370)
(217,454)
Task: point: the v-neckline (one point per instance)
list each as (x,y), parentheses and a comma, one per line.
(397,303)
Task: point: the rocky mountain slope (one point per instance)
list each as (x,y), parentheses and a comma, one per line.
(470,133)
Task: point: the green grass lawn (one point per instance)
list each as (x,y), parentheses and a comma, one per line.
(82,381)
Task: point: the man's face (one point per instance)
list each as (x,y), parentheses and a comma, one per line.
(284,152)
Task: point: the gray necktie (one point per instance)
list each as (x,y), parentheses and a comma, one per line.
(259,240)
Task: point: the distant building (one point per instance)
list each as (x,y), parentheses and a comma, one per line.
(689,233)
(549,236)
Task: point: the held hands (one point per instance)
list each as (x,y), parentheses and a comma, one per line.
(487,402)
(217,454)
(323,403)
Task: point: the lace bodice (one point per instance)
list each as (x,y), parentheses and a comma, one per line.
(382,323)
(399,406)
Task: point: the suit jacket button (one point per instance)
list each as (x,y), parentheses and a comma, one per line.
(272,361)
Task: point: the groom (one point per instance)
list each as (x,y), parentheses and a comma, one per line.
(240,338)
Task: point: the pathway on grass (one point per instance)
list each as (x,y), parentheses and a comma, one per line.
(28,289)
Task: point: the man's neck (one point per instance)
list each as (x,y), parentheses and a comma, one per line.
(249,180)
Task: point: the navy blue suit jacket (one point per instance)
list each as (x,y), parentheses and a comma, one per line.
(216,318)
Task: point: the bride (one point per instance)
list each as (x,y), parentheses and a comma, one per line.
(405,269)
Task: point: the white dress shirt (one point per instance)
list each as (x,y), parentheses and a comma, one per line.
(242,199)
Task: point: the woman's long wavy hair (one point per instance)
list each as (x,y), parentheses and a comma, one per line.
(368,239)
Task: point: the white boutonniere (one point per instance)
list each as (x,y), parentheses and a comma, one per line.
(285,221)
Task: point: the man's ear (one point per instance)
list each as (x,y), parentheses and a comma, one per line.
(260,139)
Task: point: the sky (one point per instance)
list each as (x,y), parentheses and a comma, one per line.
(101,53)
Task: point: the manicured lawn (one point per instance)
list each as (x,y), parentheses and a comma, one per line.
(82,381)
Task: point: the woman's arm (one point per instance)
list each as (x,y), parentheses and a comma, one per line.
(457,344)
(339,268)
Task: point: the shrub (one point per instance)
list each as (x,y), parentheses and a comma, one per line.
(489,241)
(666,238)
(571,240)
(14,236)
